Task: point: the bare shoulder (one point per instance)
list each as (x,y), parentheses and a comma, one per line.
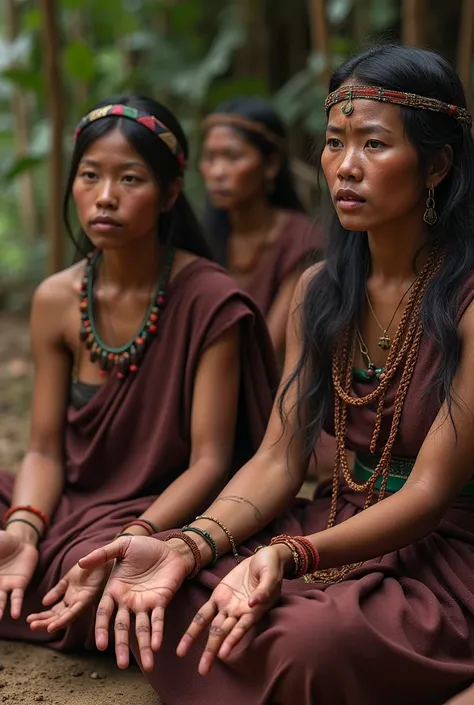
(54,298)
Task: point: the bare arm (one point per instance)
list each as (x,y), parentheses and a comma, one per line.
(40,479)
(264,486)
(277,317)
(441,470)
(213,420)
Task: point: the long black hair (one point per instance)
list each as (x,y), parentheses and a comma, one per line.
(335,296)
(178,226)
(283,193)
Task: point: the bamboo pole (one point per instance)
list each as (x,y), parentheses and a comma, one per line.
(320,35)
(414,22)
(28,210)
(54,95)
(466,46)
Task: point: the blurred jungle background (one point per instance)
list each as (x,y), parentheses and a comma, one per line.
(58,57)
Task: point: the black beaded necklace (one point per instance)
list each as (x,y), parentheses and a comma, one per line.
(128,357)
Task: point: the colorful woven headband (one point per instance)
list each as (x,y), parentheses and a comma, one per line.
(346,94)
(232,120)
(149,121)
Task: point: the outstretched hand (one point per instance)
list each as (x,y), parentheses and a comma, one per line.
(237,603)
(18,561)
(146,576)
(73,594)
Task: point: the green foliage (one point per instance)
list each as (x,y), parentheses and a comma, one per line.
(179,51)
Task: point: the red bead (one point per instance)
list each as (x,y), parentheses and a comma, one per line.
(160,300)
(133,368)
(111,356)
(152,328)
(102,373)
(139,341)
(153,317)
(370,372)
(120,375)
(87,324)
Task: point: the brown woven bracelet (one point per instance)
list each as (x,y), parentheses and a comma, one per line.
(194,548)
(225,530)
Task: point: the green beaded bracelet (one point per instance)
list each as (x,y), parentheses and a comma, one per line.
(208,539)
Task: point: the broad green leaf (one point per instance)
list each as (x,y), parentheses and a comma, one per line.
(20,165)
(32,20)
(79,61)
(24,78)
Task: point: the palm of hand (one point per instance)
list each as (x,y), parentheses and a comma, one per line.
(79,588)
(148,575)
(233,592)
(17,562)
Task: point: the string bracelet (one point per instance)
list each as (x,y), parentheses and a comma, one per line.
(225,530)
(194,549)
(207,538)
(29,523)
(27,508)
(149,527)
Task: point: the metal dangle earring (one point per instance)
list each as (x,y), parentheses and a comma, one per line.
(430,216)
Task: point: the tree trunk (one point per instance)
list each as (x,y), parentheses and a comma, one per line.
(414,22)
(466,46)
(253,59)
(320,35)
(361,23)
(80,88)
(54,94)
(28,210)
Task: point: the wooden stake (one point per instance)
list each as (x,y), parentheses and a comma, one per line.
(28,210)
(466,46)
(320,35)
(54,93)
(414,22)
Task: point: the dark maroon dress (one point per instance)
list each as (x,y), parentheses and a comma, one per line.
(399,630)
(132,439)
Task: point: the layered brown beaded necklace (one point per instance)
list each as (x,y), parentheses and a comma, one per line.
(125,359)
(402,355)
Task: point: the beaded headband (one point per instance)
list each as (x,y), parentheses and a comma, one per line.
(149,121)
(346,94)
(232,120)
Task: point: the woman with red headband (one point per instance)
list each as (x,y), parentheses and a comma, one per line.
(254,217)
(147,357)
(365,596)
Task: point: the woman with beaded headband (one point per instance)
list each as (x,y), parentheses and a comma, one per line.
(254,218)
(365,594)
(147,357)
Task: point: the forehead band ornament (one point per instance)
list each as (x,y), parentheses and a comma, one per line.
(231,120)
(146,119)
(346,94)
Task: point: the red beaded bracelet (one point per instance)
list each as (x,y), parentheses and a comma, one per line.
(144,523)
(305,554)
(194,548)
(312,552)
(27,508)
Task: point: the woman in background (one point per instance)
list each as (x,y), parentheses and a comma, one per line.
(255,220)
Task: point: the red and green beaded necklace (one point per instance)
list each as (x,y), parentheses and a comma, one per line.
(128,357)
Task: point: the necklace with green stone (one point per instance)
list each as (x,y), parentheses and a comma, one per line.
(127,358)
